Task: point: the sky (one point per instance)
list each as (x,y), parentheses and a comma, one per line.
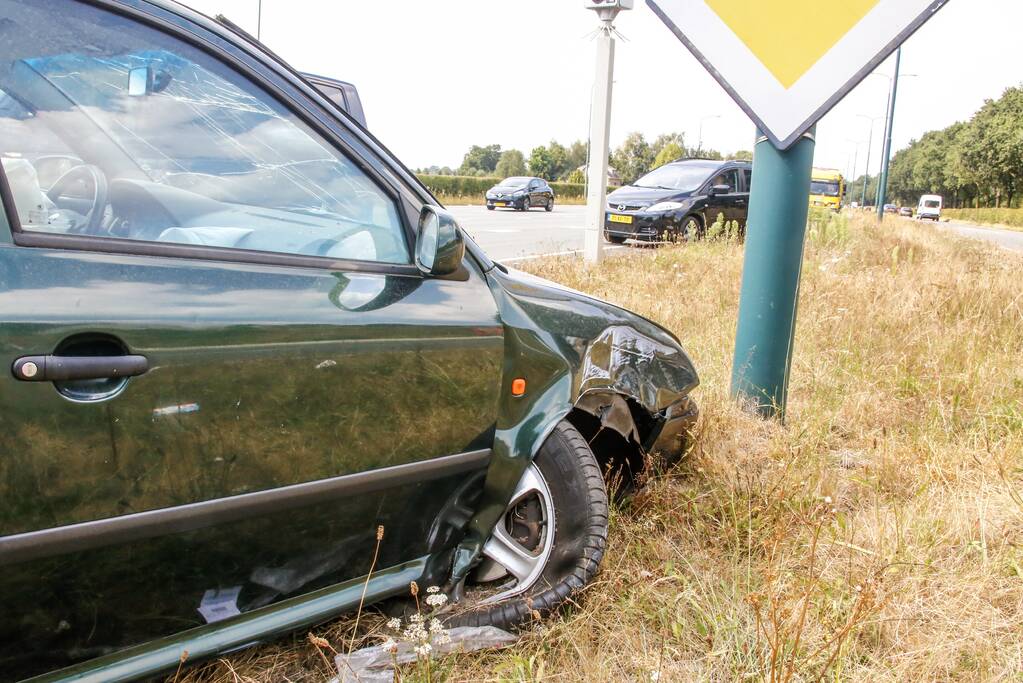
(437,77)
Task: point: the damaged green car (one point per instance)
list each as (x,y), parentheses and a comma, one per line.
(254,369)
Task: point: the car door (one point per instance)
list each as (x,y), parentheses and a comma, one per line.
(742,201)
(279,379)
(725,204)
(535,190)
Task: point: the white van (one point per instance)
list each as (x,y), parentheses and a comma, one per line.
(929,207)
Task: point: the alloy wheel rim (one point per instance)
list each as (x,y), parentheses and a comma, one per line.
(507,548)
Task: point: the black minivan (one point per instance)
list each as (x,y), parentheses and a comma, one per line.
(678,201)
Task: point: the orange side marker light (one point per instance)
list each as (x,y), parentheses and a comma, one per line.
(518,387)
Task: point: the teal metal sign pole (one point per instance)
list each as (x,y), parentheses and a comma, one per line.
(775,233)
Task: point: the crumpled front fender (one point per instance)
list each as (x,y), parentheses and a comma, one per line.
(568,347)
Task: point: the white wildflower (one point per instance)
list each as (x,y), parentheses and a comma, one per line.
(827,500)
(389,645)
(423,650)
(416,618)
(436,600)
(436,626)
(394,624)
(444,638)
(433,589)
(655,675)
(415,632)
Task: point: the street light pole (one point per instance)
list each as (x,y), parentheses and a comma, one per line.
(600,129)
(870,145)
(699,143)
(856,155)
(259,21)
(882,189)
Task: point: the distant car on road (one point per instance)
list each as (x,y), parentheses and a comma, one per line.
(891,208)
(929,207)
(906,211)
(521,193)
(679,200)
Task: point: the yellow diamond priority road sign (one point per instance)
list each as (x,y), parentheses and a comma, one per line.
(788,62)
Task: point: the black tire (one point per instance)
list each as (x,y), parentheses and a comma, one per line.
(550,205)
(614,239)
(490,207)
(691,228)
(579,499)
(525,204)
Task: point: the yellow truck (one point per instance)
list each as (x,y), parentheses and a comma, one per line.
(827,188)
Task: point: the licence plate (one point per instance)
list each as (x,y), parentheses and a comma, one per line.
(500,203)
(615,218)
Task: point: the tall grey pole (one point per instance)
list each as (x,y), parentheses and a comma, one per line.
(882,189)
(259,21)
(866,172)
(600,133)
(856,159)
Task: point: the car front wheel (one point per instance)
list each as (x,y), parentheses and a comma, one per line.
(550,204)
(549,543)
(692,229)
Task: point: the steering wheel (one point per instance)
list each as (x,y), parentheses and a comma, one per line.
(95,176)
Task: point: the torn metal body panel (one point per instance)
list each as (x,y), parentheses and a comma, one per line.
(574,351)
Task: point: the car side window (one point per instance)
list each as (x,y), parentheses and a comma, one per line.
(112,129)
(747,176)
(729,178)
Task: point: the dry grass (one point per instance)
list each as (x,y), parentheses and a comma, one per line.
(874,537)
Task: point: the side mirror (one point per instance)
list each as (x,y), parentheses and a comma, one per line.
(140,81)
(440,247)
(144,80)
(720,189)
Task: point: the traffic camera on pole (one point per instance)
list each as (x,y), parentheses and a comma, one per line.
(607,10)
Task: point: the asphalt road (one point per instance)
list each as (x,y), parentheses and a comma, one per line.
(508,235)
(1007,239)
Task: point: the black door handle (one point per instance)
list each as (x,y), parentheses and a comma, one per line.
(65,368)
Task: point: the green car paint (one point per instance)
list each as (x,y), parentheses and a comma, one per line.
(205,641)
(563,343)
(288,412)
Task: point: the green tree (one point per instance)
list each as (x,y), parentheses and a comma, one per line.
(559,160)
(511,163)
(675,140)
(633,158)
(541,163)
(741,155)
(994,144)
(480,160)
(670,152)
(577,155)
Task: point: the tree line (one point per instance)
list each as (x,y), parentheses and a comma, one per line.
(566,163)
(976,163)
